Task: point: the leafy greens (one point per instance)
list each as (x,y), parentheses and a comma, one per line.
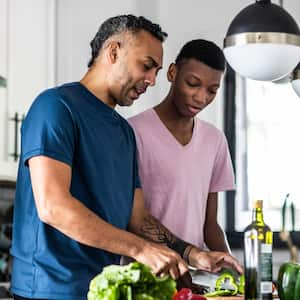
(132,282)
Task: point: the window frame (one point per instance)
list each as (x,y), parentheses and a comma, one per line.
(235,238)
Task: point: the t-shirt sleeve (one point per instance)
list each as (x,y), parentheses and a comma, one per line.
(222,176)
(137,181)
(48,129)
(137,177)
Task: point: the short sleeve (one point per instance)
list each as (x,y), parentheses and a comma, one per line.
(48,129)
(222,176)
(137,177)
(137,182)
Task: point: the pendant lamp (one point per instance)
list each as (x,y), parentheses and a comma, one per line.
(263,42)
(2,81)
(296,80)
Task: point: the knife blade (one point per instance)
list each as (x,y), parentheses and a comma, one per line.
(208,279)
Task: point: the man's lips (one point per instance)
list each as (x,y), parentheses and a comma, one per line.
(138,91)
(194,109)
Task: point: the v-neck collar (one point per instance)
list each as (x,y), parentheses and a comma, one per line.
(170,135)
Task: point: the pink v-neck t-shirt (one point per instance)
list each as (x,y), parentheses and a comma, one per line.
(176,179)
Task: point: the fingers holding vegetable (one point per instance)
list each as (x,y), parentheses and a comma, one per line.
(162,260)
(213,261)
(231,262)
(172,270)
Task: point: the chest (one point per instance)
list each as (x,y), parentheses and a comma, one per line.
(165,161)
(105,147)
(182,136)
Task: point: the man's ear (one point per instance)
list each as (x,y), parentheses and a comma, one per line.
(172,71)
(113,51)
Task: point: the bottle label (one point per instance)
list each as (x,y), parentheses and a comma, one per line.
(266,268)
(266,248)
(266,287)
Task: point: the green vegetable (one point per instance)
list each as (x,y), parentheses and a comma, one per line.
(227,279)
(241,289)
(289,281)
(219,293)
(227,285)
(132,282)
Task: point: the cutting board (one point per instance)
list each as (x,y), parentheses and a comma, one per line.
(227,298)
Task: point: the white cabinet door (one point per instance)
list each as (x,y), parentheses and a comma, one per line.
(4,165)
(29,37)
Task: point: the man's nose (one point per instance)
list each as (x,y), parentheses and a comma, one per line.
(201,97)
(151,79)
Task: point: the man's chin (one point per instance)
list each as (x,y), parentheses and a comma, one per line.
(127,102)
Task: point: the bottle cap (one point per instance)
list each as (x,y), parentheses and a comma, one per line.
(258,204)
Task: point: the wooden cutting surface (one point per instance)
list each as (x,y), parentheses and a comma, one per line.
(227,298)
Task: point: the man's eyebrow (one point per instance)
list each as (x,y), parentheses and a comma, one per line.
(154,62)
(217,85)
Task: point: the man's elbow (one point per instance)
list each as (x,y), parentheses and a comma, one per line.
(47,212)
(211,227)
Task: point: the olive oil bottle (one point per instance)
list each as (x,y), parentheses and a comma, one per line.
(258,240)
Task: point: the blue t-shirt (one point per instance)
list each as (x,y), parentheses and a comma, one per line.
(70,124)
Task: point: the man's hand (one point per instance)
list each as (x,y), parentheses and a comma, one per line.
(162,260)
(156,251)
(213,261)
(58,208)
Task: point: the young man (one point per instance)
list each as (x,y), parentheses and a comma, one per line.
(78,203)
(184,162)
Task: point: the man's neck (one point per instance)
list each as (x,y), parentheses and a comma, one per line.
(97,86)
(181,127)
(169,114)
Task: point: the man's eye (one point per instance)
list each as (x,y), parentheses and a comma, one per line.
(192,84)
(147,67)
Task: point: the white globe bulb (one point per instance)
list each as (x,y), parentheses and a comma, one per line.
(265,62)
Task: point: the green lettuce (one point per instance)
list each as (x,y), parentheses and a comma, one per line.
(132,282)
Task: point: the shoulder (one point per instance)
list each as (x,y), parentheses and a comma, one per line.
(212,135)
(206,127)
(142,119)
(127,127)
(49,105)
(58,96)
(49,98)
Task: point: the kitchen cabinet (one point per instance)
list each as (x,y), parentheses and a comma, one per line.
(27,61)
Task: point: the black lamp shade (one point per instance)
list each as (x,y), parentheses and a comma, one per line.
(297,69)
(296,73)
(263,16)
(296,79)
(263,42)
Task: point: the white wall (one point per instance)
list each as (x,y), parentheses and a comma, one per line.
(78,21)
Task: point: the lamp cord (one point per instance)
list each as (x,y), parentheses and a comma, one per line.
(264,1)
(269,1)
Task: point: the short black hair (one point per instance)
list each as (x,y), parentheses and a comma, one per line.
(120,24)
(204,51)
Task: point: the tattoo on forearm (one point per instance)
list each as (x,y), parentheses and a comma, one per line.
(154,231)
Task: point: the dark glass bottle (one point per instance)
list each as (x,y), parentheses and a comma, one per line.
(258,240)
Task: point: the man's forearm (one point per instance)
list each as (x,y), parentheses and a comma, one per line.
(216,241)
(151,229)
(81,224)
